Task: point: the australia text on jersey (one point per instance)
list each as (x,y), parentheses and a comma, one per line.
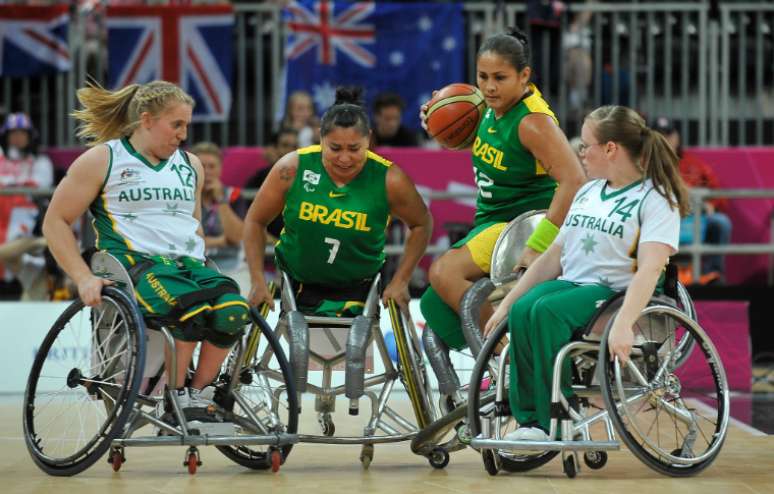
(604,225)
(339,218)
(156,193)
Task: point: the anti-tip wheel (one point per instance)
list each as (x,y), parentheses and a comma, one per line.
(438,458)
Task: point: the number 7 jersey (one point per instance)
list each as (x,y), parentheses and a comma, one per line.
(334,234)
(147,208)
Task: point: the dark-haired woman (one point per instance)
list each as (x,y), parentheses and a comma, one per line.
(336,199)
(522,161)
(619,233)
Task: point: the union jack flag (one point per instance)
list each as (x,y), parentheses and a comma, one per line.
(321,28)
(188,45)
(408,48)
(33,40)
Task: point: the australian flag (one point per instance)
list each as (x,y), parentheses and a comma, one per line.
(188,45)
(33,40)
(407,48)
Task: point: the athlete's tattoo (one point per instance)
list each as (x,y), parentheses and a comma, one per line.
(286,173)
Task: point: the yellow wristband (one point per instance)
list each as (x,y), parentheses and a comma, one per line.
(544,234)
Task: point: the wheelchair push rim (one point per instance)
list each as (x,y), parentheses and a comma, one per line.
(477,398)
(254,391)
(647,398)
(83,383)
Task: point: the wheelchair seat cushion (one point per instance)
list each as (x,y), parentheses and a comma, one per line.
(332,301)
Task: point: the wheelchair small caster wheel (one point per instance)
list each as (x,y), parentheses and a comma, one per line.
(276,460)
(116,458)
(490,462)
(570,466)
(192,460)
(595,459)
(438,458)
(367,455)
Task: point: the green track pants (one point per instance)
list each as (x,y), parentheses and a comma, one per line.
(541,322)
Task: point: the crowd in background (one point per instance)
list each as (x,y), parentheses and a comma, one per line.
(27,272)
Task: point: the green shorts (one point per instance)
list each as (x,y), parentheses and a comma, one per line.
(194,301)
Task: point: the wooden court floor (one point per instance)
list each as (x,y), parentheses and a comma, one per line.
(745,465)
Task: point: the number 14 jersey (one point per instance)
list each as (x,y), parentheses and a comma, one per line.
(602,231)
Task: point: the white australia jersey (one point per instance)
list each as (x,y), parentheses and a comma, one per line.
(604,228)
(145,208)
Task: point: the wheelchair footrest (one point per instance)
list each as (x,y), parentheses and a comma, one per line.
(212,428)
(489,443)
(191,440)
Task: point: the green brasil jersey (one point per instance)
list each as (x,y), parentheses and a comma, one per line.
(334,234)
(510,179)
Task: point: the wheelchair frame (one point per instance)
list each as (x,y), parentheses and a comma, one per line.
(506,252)
(364,331)
(486,416)
(124,400)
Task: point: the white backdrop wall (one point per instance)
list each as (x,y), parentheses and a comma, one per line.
(25,325)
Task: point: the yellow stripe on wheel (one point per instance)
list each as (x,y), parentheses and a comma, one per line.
(403,355)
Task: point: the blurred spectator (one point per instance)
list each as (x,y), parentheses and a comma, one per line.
(222,210)
(576,42)
(544,19)
(387,117)
(282,143)
(21,244)
(716,226)
(300,116)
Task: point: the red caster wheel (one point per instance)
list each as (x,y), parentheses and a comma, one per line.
(276,461)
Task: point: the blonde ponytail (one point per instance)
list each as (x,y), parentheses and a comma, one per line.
(109,115)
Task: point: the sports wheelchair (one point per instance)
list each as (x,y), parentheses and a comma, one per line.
(450,432)
(672,416)
(330,342)
(97,377)
(507,251)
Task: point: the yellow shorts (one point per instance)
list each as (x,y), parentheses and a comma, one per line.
(481,241)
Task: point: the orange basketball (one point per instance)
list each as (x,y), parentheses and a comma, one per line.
(453,115)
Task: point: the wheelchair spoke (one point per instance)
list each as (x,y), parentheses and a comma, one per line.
(630,366)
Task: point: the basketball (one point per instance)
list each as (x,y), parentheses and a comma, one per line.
(453,115)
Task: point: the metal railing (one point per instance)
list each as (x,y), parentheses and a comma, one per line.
(696,249)
(713,76)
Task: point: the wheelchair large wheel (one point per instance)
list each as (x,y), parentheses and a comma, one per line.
(478,397)
(672,418)
(265,391)
(686,343)
(83,383)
